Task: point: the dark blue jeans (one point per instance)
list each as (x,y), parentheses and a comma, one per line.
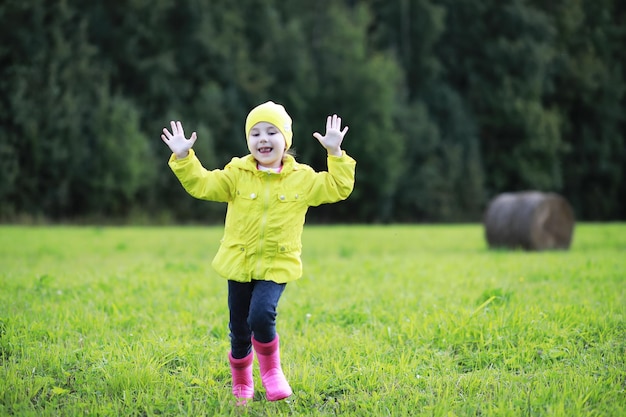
(252,308)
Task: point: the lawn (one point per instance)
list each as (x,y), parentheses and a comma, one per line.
(387,320)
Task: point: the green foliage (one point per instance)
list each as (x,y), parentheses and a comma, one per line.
(51,78)
(358,76)
(71,148)
(504,80)
(448,102)
(589,87)
(117,164)
(387,320)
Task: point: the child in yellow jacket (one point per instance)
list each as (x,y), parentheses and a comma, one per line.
(268,194)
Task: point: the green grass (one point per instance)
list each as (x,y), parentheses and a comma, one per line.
(397,320)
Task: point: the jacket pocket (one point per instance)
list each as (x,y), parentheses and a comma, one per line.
(231,261)
(245,211)
(287,263)
(288,248)
(291,197)
(246,197)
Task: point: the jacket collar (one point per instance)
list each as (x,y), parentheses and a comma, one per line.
(248,163)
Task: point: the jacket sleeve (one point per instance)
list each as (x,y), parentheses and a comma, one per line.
(216,185)
(336,184)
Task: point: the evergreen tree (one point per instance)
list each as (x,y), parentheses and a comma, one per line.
(589,88)
(497,55)
(442,177)
(363,86)
(56,93)
(448,102)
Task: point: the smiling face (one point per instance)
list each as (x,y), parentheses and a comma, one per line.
(267,145)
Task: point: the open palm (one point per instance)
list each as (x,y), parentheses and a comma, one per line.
(176,140)
(334,135)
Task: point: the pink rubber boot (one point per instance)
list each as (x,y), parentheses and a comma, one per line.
(274,381)
(243,384)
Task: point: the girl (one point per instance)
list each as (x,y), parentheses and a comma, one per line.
(268,194)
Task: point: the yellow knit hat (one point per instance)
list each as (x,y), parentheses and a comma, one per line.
(273,113)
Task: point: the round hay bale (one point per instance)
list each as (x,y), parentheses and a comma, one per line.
(532,220)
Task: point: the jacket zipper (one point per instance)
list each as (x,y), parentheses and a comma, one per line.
(266,202)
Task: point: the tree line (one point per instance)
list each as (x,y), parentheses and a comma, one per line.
(449,102)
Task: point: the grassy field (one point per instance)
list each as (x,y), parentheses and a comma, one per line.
(387,320)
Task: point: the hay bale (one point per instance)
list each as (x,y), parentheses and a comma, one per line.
(531,220)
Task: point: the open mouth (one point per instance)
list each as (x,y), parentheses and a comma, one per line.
(265,150)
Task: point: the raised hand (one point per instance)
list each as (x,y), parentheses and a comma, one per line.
(176,140)
(334,135)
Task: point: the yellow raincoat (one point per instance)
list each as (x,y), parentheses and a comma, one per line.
(266,211)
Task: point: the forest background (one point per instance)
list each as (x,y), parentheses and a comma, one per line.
(449,102)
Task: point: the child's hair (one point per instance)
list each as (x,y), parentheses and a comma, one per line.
(291,151)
